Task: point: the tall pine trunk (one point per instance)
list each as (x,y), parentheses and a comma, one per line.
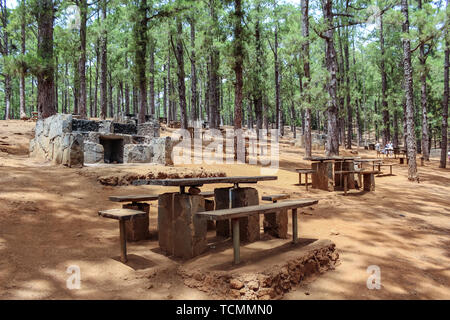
(444,142)
(384,104)
(23,113)
(307,74)
(103,65)
(152,76)
(45,77)
(410,140)
(423,92)
(82,60)
(179,55)
(194,91)
(140,37)
(332,146)
(238,62)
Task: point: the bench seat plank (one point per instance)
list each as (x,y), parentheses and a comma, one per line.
(305,170)
(120,214)
(240,212)
(275,197)
(148,197)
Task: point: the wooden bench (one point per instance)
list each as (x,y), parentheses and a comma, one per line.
(275,197)
(305,172)
(345,175)
(122,215)
(235,213)
(148,197)
(383,165)
(369,180)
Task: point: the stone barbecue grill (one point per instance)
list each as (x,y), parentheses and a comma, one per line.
(65,140)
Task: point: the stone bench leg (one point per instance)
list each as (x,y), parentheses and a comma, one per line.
(276,224)
(137,227)
(209,206)
(181,232)
(242,197)
(369,182)
(323,177)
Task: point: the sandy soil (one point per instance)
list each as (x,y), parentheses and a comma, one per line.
(48,222)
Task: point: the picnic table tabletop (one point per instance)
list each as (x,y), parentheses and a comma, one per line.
(192,182)
(331,158)
(368,160)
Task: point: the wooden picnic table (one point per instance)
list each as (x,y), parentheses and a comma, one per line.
(181,233)
(324,177)
(198,182)
(331,158)
(361,161)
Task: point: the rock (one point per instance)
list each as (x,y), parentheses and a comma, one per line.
(236,284)
(162,150)
(149,129)
(137,153)
(266,292)
(85,125)
(93,153)
(105,126)
(235,293)
(253,285)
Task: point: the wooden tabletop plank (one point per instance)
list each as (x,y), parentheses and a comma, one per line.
(148,197)
(134,198)
(275,197)
(202,181)
(226,214)
(305,170)
(336,158)
(120,214)
(368,160)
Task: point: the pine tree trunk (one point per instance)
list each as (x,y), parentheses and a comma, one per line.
(110,95)
(140,35)
(46,84)
(306,70)
(179,54)
(238,62)
(347,91)
(257,89)
(23,113)
(332,146)
(127,86)
(423,91)
(194,91)
(152,77)
(411,141)
(103,65)
(82,61)
(444,142)
(384,104)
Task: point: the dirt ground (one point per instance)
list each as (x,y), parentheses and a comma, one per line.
(49,222)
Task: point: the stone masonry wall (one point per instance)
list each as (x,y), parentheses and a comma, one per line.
(55,141)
